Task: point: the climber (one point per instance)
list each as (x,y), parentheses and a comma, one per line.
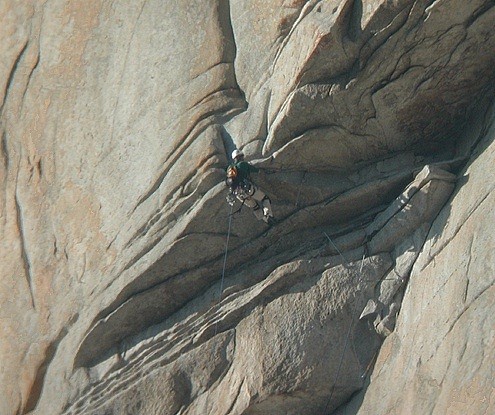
(241,187)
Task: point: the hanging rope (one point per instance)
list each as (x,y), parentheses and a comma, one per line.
(226,249)
(221,287)
(335,246)
(346,340)
(238,210)
(225,261)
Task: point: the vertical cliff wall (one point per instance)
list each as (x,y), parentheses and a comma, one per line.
(439,358)
(372,124)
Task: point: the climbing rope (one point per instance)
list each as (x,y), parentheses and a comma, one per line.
(238,210)
(226,250)
(335,246)
(222,283)
(346,341)
(225,261)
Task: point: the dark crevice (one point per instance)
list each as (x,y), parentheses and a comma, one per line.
(12,73)
(30,76)
(5,171)
(24,255)
(39,380)
(478,13)
(225,22)
(4,151)
(490,109)
(354,20)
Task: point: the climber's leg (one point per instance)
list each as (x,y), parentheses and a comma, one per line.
(267,207)
(265,203)
(258,212)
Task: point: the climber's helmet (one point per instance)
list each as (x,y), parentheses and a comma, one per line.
(237,154)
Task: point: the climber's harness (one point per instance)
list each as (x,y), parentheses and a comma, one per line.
(242,189)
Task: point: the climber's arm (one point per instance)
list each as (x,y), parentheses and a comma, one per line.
(253,169)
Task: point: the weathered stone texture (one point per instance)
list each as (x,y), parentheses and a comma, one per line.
(439,360)
(116,122)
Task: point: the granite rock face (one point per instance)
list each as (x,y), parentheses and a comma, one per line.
(372,122)
(439,358)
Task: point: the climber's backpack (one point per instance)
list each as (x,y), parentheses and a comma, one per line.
(231,179)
